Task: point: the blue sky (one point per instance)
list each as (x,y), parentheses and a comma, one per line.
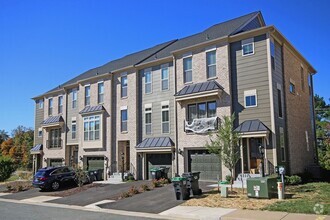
(45,43)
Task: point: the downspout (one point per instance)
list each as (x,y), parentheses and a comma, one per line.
(176,119)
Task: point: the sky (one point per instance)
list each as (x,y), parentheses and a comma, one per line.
(45,43)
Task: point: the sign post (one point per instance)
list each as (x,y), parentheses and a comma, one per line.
(280,185)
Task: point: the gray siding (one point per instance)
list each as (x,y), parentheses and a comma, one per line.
(248,73)
(72,112)
(155,98)
(255,23)
(39,117)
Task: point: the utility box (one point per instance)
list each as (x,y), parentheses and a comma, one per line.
(262,187)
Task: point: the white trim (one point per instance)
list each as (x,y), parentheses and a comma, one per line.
(164,66)
(148,70)
(149,105)
(198,95)
(155,149)
(247,93)
(123,74)
(165,103)
(87,85)
(247,42)
(210,48)
(123,107)
(73,119)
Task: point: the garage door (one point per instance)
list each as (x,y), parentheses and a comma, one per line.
(55,162)
(159,160)
(95,163)
(208,164)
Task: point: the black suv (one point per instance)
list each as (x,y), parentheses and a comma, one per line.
(53,177)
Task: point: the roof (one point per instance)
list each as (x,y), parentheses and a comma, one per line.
(90,109)
(251,126)
(199,87)
(156,142)
(52,120)
(37,147)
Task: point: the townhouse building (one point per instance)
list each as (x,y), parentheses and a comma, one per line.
(157,107)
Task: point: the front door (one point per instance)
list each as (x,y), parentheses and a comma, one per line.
(254,155)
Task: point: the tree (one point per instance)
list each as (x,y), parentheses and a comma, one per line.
(6,167)
(3,136)
(225,144)
(23,141)
(6,146)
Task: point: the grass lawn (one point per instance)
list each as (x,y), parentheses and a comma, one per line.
(302,199)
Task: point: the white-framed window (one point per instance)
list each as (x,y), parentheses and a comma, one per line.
(147,81)
(40,132)
(124,117)
(60,104)
(50,106)
(248,47)
(282,145)
(148,119)
(272,54)
(54,138)
(201,110)
(73,129)
(100,92)
(292,88)
(250,98)
(211,64)
(165,118)
(41,103)
(165,78)
(187,69)
(123,82)
(87,95)
(91,128)
(74,98)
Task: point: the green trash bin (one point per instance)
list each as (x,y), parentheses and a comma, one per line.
(155,173)
(262,187)
(180,189)
(192,182)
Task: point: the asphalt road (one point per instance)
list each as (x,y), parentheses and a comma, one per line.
(14,211)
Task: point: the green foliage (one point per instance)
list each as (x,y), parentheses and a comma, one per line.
(80,176)
(130,178)
(3,136)
(228,178)
(6,167)
(293,180)
(225,144)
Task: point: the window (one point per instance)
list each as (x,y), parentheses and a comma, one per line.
(73,129)
(211,64)
(54,140)
(91,128)
(124,86)
(60,104)
(165,119)
(100,92)
(272,54)
(165,78)
(74,98)
(247,47)
(282,144)
(123,126)
(250,98)
(40,132)
(279,98)
(50,106)
(148,124)
(292,88)
(147,82)
(187,69)
(87,95)
(41,103)
(202,110)
(302,78)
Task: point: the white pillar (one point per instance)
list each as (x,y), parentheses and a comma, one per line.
(242,155)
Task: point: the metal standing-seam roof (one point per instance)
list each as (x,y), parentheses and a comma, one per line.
(90,109)
(199,87)
(53,120)
(156,142)
(37,147)
(251,126)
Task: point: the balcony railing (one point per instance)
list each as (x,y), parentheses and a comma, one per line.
(55,143)
(201,125)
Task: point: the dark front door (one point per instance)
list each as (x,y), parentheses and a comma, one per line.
(254,154)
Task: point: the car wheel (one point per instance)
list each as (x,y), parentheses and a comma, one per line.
(55,185)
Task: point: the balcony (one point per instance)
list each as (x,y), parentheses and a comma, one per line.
(201,125)
(54,143)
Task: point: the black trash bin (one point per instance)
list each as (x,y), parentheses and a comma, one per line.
(98,174)
(156,173)
(192,182)
(164,172)
(180,189)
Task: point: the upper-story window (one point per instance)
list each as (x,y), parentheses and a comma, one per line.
(187,69)
(50,106)
(147,81)
(201,110)
(100,92)
(292,88)
(91,128)
(279,98)
(73,129)
(165,78)
(54,139)
(74,98)
(165,118)
(123,125)
(40,132)
(211,64)
(247,47)
(41,103)
(250,98)
(124,86)
(148,123)
(87,95)
(60,104)
(272,54)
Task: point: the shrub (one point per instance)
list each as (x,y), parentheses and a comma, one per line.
(20,188)
(133,190)
(80,176)
(25,175)
(155,183)
(144,187)
(228,178)
(9,187)
(130,178)
(292,180)
(6,167)
(163,181)
(125,195)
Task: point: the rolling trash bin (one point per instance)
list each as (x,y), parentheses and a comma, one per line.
(180,189)
(155,173)
(192,182)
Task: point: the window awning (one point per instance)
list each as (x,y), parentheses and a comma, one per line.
(92,109)
(252,128)
(199,90)
(53,121)
(156,143)
(37,149)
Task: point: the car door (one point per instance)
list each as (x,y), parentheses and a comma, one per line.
(68,174)
(57,174)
